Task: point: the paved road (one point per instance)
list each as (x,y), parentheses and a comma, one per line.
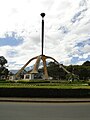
(44,111)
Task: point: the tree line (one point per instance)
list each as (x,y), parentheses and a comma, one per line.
(81,71)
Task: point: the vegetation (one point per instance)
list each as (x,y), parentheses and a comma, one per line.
(44,84)
(3,70)
(81,72)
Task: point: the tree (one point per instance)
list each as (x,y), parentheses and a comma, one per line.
(72,77)
(3,70)
(55,71)
(87,63)
(83,71)
(3,61)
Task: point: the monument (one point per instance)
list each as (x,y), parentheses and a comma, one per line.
(39,58)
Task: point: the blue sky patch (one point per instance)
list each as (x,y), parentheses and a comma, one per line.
(83,43)
(74,60)
(77,59)
(78,16)
(11,40)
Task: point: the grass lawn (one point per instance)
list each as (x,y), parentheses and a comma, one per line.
(55,84)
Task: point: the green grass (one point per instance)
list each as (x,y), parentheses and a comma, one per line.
(55,84)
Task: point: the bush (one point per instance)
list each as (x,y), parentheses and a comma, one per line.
(33,81)
(72,77)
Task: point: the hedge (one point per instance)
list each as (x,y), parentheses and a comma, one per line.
(44,93)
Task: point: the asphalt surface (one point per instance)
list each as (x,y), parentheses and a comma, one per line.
(44,111)
(45,100)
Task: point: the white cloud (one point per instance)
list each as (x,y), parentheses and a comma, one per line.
(23,17)
(80,62)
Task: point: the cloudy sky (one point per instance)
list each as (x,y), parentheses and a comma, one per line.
(67,30)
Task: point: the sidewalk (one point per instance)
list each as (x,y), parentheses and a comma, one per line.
(45,100)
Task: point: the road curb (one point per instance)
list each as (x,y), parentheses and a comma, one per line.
(46,100)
